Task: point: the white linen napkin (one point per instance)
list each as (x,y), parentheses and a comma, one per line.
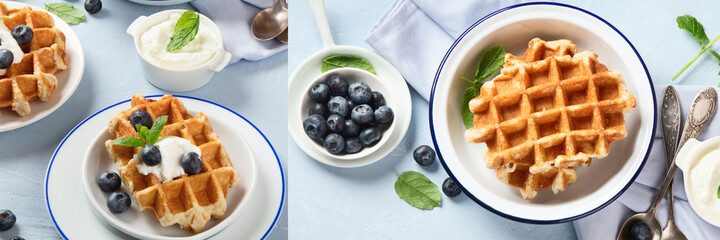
(234,18)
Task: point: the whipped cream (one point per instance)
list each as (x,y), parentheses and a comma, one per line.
(172,150)
(200,50)
(8,42)
(704,180)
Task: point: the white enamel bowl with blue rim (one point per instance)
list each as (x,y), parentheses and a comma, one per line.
(78,209)
(159,2)
(513,27)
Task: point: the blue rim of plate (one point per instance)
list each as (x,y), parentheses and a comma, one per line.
(282,174)
(478,201)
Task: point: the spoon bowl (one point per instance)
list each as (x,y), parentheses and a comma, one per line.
(648,218)
(270,22)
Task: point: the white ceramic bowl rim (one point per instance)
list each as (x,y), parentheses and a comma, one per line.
(474,198)
(282,174)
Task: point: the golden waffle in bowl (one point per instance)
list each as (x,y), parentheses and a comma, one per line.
(189,201)
(32,78)
(549,111)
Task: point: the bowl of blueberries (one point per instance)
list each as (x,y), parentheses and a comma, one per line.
(349,117)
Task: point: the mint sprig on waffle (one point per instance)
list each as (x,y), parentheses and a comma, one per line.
(147,137)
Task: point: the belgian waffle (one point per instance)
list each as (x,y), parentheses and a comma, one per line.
(32,78)
(189,201)
(549,111)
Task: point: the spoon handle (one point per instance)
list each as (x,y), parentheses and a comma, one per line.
(318,9)
(670,120)
(701,110)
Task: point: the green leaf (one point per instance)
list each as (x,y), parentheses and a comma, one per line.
(490,61)
(417,190)
(468,115)
(66,12)
(156,129)
(718,192)
(695,28)
(143,132)
(340,61)
(185,30)
(129,142)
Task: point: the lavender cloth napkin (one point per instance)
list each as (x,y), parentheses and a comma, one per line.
(234,18)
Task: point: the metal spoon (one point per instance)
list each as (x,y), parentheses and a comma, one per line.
(283,37)
(270,22)
(670,120)
(701,110)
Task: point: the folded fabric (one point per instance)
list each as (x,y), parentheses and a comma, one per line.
(234,18)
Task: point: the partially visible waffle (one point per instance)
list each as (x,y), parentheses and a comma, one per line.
(32,78)
(189,201)
(550,110)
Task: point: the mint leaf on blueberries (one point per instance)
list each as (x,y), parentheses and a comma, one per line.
(147,137)
(129,142)
(185,30)
(490,61)
(340,61)
(143,132)
(695,28)
(417,190)
(156,129)
(66,12)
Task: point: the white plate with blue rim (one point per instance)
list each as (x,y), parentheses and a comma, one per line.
(159,2)
(599,184)
(255,214)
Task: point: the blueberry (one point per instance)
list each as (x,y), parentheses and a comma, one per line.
(338,85)
(118,202)
(320,93)
(334,143)
(7,219)
(362,114)
(109,181)
(336,123)
(17,238)
(150,155)
(141,117)
(93,6)
(191,163)
(22,34)
(351,105)
(6,58)
(640,231)
(377,100)
(450,188)
(315,126)
(370,136)
(338,105)
(360,93)
(317,108)
(351,129)
(353,145)
(424,155)
(384,114)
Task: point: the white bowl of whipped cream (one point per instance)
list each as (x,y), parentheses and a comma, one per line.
(186,69)
(700,163)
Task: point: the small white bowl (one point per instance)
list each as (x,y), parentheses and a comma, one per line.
(686,158)
(392,133)
(178,80)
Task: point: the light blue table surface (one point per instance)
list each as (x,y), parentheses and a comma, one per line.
(360,203)
(112,74)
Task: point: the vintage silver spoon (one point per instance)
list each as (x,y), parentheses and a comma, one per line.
(283,37)
(670,120)
(270,22)
(702,109)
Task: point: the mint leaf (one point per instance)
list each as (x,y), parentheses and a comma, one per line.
(417,190)
(185,30)
(66,12)
(469,116)
(695,28)
(491,60)
(143,132)
(156,129)
(129,142)
(718,192)
(340,61)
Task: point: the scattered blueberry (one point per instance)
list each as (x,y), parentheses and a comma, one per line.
(118,202)
(191,163)
(315,126)
(141,117)
(338,85)
(336,123)
(150,155)
(360,93)
(362,114)
(6,58)
(93,6)
(640,231)
(424,155)
(370,136)
(7,219)
(22,34)
(384,114)
(320,93)
(317,108)
(352,145)
(377,100)
(351,129)
(334,143)
(338,105)
(17,238)
(450,188)
(109,181)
